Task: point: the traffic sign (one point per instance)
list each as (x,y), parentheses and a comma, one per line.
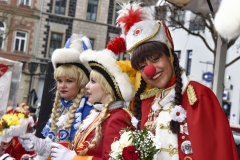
(207,76)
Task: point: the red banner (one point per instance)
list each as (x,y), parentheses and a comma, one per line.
(3,69)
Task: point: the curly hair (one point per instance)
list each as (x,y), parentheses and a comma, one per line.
(145,52)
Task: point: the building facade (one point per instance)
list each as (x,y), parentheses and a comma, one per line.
(31,30)
(19,23)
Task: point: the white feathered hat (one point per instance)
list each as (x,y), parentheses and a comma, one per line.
(227,19)
(119,74)
(74,46)
(139,27)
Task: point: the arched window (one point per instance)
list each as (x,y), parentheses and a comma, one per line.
(2,34)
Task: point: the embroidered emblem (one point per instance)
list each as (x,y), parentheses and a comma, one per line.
(137,32)
(184,129)
(51,135)
(191,95)
(171,150)
(186,147)
(63,134)
(167,127)
(149,93)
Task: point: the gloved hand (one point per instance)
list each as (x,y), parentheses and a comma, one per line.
(59,152)
(28,156)
(32,143)
(6,156)
(28,141)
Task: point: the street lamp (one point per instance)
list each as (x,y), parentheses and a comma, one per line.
(32,67)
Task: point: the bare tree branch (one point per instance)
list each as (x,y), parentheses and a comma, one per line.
(7,18)
(176,22)
(182,26)
(231,42)
(230,63)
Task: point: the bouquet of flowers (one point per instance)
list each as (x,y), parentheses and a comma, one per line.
(14,123)
(135,145)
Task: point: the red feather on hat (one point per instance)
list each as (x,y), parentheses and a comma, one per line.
(117,46)
(129,15)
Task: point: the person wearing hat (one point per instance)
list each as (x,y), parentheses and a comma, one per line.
(71,106)
(108,88)
(185,114)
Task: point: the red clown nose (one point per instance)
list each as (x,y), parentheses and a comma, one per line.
(149,70)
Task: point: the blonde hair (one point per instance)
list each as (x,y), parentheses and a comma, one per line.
(74,72)
(98,131)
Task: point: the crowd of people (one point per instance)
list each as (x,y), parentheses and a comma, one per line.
(92,89)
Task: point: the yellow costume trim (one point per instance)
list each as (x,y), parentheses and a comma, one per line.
(81,137)
(170,52)
(192,98)
(126,67)
(129,112)
(187,158)
(149,93)
(145,39)
(83,158)
(171,150)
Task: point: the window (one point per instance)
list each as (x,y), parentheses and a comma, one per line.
(177,16)
(178,53)
(55,42)
(189,62)
(117,8)
(126,56)
(20,41)
(123,56)
(60,7)
(25,2)
(196,24)
(92,10)
(2,34)
(92,42)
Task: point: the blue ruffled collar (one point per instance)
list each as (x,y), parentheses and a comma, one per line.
(66,103)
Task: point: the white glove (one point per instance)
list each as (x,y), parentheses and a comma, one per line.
(6,156)
(59,152)
(32,143)
(27,156)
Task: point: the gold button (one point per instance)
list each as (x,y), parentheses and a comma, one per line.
(187,158)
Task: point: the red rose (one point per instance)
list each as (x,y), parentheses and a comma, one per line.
(130,153)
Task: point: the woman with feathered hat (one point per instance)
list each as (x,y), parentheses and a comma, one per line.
(108,88)
(185,114)
(71,106)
